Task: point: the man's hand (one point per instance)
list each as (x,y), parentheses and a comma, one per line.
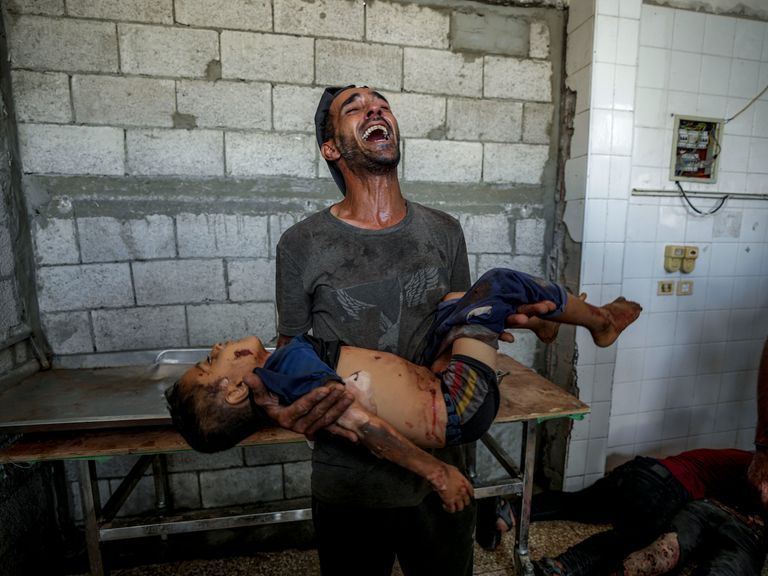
(315,411)
(524,315)
(758,475)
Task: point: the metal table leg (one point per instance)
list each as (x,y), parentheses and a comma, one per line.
(528,457)
(89,496)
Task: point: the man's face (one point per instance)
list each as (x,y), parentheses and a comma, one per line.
(366,131)
(232,360)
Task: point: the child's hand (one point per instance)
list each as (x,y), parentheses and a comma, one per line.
(453,488)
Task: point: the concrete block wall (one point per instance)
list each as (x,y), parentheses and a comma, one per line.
(166,145)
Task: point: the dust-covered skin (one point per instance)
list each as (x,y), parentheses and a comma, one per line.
(660,557)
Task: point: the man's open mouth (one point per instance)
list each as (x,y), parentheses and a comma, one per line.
(376,133)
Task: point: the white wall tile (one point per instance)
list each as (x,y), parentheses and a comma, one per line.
(754,226)
(600,131)
(647,151)
(595,222)
(606,38)
(653,397)
(639,290)
(613,262)
(688,326)
(626,397)
(743,81)
(719,33)
(671,228)
(707,387)
(599,175)
(622,430)
(734,155)
(621,133)
(629,366)
(723,259)
(748,40)
(760,125)
(742,115)
(592,262)
(629,34)
(577,457)
(603,76)
(698,229)
(676,423)
(715,75)
(661,328)
(688,31)
(596,453)
(702,420)
(749,259)
(598,420)
(719,292)
(650,107)
(758,153)
(656,26)
(630,9)
(684,71)
(620,170)
(624,88)
(653,68)
(639,259)
(616,222)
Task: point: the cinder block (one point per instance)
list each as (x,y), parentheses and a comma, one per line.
(222,104)
(443,161)
(175,152)
(295,107)
(539,40)
(210,235)
(442,72)
(418,115)
(297,476)
(274,453)
(164,51)
(251,280)
(68,332)
(241,486)
(522,163)
(61,288)
(219,322)
(55,241)
(491,33)
(484,120)
(528,264)
(41,96)
(487,233)
(51,149)
(537,123)
(233,14)
(185,491)
(529,236)
(179,281)
(195,461)
(339,63)
(51,7)
(160,11)
(139,328)
(123,101)
(107,239)
(270,154)
(334,18)
(62,44)
(9,312)
(141,500)
(518,79)
(252,56)
(408,24)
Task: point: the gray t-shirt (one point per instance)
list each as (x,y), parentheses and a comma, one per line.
(376,289)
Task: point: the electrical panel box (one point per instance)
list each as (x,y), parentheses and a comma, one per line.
(695,148)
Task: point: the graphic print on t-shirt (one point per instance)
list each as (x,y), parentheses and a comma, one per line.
(387,298)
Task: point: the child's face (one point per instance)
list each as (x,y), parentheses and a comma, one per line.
(232,360)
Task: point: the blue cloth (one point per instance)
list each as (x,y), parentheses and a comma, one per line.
(497,294)
(295,370)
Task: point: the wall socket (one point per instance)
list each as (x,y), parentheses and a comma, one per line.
(665,288)
(671,288)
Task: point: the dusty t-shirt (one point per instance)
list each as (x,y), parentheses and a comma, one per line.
(375,289)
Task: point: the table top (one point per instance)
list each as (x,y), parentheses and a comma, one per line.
(85,413)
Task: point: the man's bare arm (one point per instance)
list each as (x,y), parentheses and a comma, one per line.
(758,469)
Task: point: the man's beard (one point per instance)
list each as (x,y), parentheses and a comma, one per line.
(355,156)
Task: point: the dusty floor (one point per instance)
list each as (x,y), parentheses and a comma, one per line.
(546,539)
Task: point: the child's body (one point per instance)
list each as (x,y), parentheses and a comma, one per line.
(399,406)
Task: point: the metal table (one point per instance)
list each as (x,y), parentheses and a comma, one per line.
(88,413)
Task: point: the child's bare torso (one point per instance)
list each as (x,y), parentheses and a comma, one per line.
(406,395)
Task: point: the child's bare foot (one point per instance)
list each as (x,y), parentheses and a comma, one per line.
(618,315)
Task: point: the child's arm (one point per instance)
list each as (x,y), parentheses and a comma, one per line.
(386,442)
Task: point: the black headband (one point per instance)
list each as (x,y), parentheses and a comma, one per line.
(321,115)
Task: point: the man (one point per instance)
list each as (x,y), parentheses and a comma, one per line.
(370,271)
(639,498)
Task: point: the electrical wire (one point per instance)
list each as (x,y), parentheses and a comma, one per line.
(748,104)
(719,205)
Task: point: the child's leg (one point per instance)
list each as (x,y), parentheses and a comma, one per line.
(659,557)
(604,323)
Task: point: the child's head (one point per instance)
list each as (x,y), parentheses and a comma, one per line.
(211,406)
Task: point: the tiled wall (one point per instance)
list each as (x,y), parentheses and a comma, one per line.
(684,375)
